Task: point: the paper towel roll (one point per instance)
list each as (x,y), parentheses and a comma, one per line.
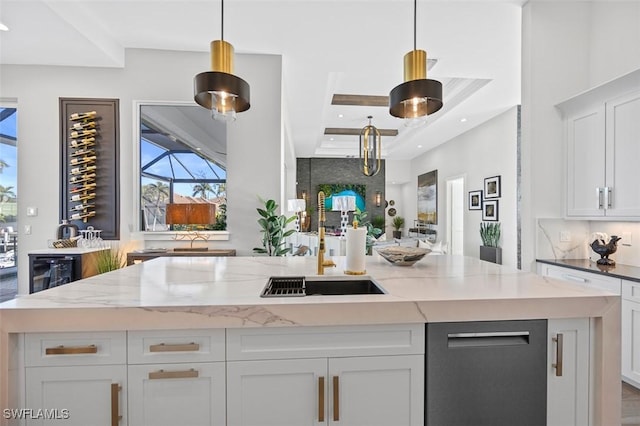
(356,251)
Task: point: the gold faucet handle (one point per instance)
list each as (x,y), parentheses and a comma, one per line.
(328,263)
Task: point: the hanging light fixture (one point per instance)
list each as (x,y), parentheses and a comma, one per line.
(370,149)
(418,96)
(219,90)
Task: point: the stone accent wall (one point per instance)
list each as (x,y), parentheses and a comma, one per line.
(311,172)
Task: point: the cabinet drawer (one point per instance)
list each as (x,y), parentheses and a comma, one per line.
(60,349)
(586,279)
(166,346)
(312,342)
(631,290)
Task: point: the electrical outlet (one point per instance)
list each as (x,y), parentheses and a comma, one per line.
(565,236)
(27,229)
(32,211)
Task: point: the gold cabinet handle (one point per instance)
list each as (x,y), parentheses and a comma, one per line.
(180,347)
(336,398)
(115,404)
(71,350)
(559,348)
(321,399)
(187,374)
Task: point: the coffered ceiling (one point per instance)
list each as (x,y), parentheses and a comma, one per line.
(328,48)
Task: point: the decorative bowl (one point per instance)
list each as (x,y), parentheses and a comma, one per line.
(403,256)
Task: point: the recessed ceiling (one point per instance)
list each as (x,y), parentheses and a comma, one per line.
(328,47)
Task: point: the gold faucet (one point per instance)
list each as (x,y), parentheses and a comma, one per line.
(321,219)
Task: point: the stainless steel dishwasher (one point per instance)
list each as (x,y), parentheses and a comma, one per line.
(489,373)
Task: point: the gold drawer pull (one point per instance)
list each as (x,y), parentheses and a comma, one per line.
(180,347)
(321,399)
(71,350)
(559,340)
(115,404)
(188,374)
(336,398)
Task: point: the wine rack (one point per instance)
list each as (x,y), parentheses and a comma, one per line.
(82,165)
(89,180)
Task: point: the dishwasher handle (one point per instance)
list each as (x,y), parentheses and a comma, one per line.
(498,338)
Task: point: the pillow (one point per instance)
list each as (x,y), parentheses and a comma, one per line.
(425,244)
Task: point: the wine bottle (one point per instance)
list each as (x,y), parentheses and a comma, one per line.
(81,170)
(83,152)
(81,197)
(82,115)
(79,216)
(81,207)
(84,125)
(80,133)
(82,178)
(83,188)
(82,160)
(82,142)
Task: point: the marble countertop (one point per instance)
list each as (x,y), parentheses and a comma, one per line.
(224,292)
(66,250)
(625,272)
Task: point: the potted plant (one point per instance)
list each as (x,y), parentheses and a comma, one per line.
(110,260)
(489,250)
(398,224)
(373,232)
(274,230)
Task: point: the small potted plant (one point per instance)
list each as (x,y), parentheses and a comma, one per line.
(489,250)
(398,224)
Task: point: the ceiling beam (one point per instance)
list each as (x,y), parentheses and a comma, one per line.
(360,100)
(342,131)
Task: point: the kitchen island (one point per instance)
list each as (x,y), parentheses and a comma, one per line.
(223,293)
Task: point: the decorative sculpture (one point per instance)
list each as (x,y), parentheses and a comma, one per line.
(604,250)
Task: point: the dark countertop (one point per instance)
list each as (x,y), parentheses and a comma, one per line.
(626,272)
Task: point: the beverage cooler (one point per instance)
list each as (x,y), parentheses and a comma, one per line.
(52,270)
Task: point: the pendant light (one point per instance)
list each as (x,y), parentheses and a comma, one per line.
(418,96)
(370,149)
(219,90)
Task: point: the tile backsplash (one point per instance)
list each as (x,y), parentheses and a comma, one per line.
(570,239)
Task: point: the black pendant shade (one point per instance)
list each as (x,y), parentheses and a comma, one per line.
(428,89)
(210,81)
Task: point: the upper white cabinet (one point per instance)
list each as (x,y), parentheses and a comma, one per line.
(603,148)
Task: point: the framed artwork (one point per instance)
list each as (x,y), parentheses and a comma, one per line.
(475,200)
(492,187)
(338,189)
(428,197)
(490,210)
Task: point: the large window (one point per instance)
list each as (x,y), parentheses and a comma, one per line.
(8,203)
(182,160)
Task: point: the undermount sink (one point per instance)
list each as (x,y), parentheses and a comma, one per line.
(320,286)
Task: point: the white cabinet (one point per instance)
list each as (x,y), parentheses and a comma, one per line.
(176,377)
(177,394)
(76,378)
(314,375)
(602,149)
(630,342)
(586,279)
(568,372)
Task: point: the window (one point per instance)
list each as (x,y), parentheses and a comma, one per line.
(8,202)
(182,160)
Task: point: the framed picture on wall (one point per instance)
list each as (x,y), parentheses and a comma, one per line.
(490,210)
(492,187)
(428,197)
(475,200)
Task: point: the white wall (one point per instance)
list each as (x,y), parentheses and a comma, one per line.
(254,139)
(487,150)
(567,48)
